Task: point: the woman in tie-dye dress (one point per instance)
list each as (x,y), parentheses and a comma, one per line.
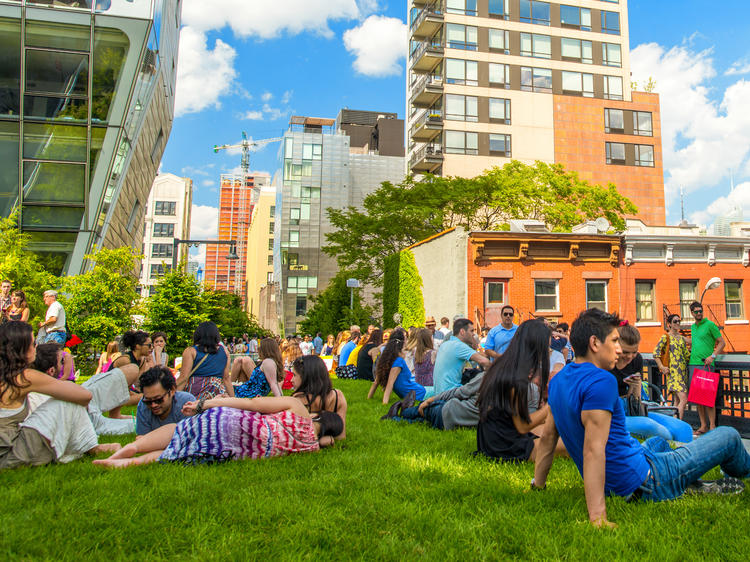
(234,428)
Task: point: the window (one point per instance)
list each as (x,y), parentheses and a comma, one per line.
(612,88)
(536,79)
(499,41)
(545,295)
(495,292)
(459,142)
(499,9)
(288,147)
(500,75)
(615,152)
(733,298)
(155,150)
(500,111)
(461,108)
(463,7)
(270,244)
(575,17)
(644,155)
(165,208)
(576,50)
(269,278)
(164,229)
(272,214)
(596,295)
(292,259)
(611,54)
(610,23)
(134,212)
(461,72)
(644,301)
(500,145)
(614,121)
(642,123)
(159,270)
(535,45)
(294,238)
(270,227)
(310,192)
(161,250)
(301,306)
(299,285)
(312,152)
(533,11)
(461,36)
(304,211)
(578,83)
(270,259)
(688,294)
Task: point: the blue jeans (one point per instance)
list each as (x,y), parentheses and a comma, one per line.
(673,470)
(433,414)
(55,337)
(659,425)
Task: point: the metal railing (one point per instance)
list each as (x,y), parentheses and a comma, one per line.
(434,9)
(435,45)
(428,150)
(432,116)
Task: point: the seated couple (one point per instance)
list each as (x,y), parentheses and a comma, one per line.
(586,411)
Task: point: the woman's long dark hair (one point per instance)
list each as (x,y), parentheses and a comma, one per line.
(316,383)
(376,338)
(269,349)
(505,387)
(206,337)
(132,338)
(15,339)
(390,354)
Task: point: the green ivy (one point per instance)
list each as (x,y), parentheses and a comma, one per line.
(402,290)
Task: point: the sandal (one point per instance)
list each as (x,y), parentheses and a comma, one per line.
(700,431)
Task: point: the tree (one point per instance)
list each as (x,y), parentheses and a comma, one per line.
(331,313)
(395,216)
(402,291)
(225,309)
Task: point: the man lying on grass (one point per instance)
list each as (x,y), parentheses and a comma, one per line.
(585,410)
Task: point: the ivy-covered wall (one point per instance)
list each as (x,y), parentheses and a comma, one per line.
(402,291)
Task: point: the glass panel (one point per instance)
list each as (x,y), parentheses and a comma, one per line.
(587,52)
(454,107)
(52,182)
(540,12)
(614,119)
(10,69)
(471,72)
(495,293)
(542,46)
(571,81)
(52,217)
(454,139)
(542,79)
(596,292)
(110,49)
(472,142)
(454,69)
(56,73)
(585,18)
(97,140)
(54,142)
(498,39)
(571,48)
(57,36)
(455,33)
(9,169)
(645,155)
(56,108)
(471,108)
(498,73)
(570,15)
(526,48)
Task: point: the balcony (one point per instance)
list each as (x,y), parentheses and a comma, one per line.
(429,21)
(428,158)
(426,90)
(426,56)
(427,126)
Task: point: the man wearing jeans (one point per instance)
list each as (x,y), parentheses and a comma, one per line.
(54,321)
(586,411)
(707,343)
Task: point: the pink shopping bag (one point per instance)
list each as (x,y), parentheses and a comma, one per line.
(703,388)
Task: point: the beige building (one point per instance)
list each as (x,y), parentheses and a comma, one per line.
(259,266)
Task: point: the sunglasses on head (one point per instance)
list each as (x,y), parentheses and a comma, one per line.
(155,400)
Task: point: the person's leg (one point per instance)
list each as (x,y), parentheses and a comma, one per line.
(409,414)
(156,440)
(681,404)
(680,430)
(701,409)
(645,427)
(434,414)
(711,415)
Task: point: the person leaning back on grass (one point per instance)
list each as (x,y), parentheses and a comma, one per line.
(585,410)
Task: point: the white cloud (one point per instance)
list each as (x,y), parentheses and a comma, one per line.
(207,183)
(199,254)
(286,98)
(378,45)
(738,197)
(274,113)
(267,96)
(253,115)
(204,222)
(738,67)
(203,74)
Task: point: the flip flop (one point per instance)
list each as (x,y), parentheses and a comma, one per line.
(700,431)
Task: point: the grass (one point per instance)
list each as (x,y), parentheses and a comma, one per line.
(392,491)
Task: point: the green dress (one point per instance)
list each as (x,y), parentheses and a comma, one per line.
(678,362)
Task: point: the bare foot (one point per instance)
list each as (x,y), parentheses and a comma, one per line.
(128,451)
(114,463)
(105,448)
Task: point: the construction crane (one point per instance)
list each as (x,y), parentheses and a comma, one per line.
(246,145)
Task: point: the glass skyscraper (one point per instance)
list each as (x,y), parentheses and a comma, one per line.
(86,107)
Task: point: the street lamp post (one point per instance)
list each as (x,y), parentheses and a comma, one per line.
(713,283)
(232,255)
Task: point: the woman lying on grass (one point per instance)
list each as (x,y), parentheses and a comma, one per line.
(312,385)
(234,428)
(511,414)
(392,372)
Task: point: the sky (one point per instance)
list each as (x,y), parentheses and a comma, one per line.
(248,65)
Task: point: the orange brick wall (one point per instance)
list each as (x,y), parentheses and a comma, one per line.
(579,146)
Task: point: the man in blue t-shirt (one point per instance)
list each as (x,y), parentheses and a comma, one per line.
(349,347)
(161,403)
(453,354)
(499,337)
(585,410)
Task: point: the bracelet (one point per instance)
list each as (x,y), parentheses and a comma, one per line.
(537,488)
(199,407)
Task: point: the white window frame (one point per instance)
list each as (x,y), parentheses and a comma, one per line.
(557,295)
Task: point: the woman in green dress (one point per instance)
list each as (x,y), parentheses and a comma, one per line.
(674,363)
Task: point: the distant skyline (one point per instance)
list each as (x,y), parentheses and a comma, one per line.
(249,65)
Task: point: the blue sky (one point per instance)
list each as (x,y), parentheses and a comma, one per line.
(247,65)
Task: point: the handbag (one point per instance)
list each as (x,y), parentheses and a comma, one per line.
(664,357)
(703,388)
(635,406)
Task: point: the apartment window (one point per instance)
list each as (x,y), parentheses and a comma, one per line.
(596,295)
(460,142)
(461,72)
(461,36)
(270,244)
(272,214)
(614,121)
(269,278)
(733,299)
(535,45)
(610,23)
(536,79)
(293,259)
(575,17)
(644,301)
(578,84)
(309,192)
(301,306)
(157,146)
(611,55)
(495,292)
(463,7)
(499,9)
(545,295)
(500,111)
(270,227)
(500,145)
(134,212)
(270,259)
(304,210)
(499,41)
(161,250)
(461,108)
(165,208)
(533,11)
(615,152)
(288,147)
(576,50)
(612,87)
(688,294)
(644,155)
(159,270)
(307,168)
(294,238)
(312,152)
(642,124)
(164,229)
(301,284)
(500,75)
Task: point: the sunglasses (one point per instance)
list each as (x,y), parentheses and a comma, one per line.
(156,400)
(507,314)
(698,311)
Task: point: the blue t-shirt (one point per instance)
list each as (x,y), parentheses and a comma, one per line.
(346,351)
(449,364)
(584,386)
(405,381)
(146,421)
(499,337)
(317,345)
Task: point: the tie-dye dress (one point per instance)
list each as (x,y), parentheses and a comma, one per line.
(228,433)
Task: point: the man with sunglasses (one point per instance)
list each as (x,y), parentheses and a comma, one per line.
(706,344)
(499,337)
(161,403)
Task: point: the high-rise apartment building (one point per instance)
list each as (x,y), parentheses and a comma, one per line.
(260,249)
(495,80)
(325,163)
(86,107)
(168,212)
(238,194)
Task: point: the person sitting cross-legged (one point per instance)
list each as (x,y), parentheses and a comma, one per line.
(161,403)
(586,411)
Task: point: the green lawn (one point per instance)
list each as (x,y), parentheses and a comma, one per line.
(393,491)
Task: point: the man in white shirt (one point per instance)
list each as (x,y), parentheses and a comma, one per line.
(54,320)
(306,346)
(444,327)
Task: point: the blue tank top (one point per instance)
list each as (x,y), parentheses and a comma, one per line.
(213,365)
